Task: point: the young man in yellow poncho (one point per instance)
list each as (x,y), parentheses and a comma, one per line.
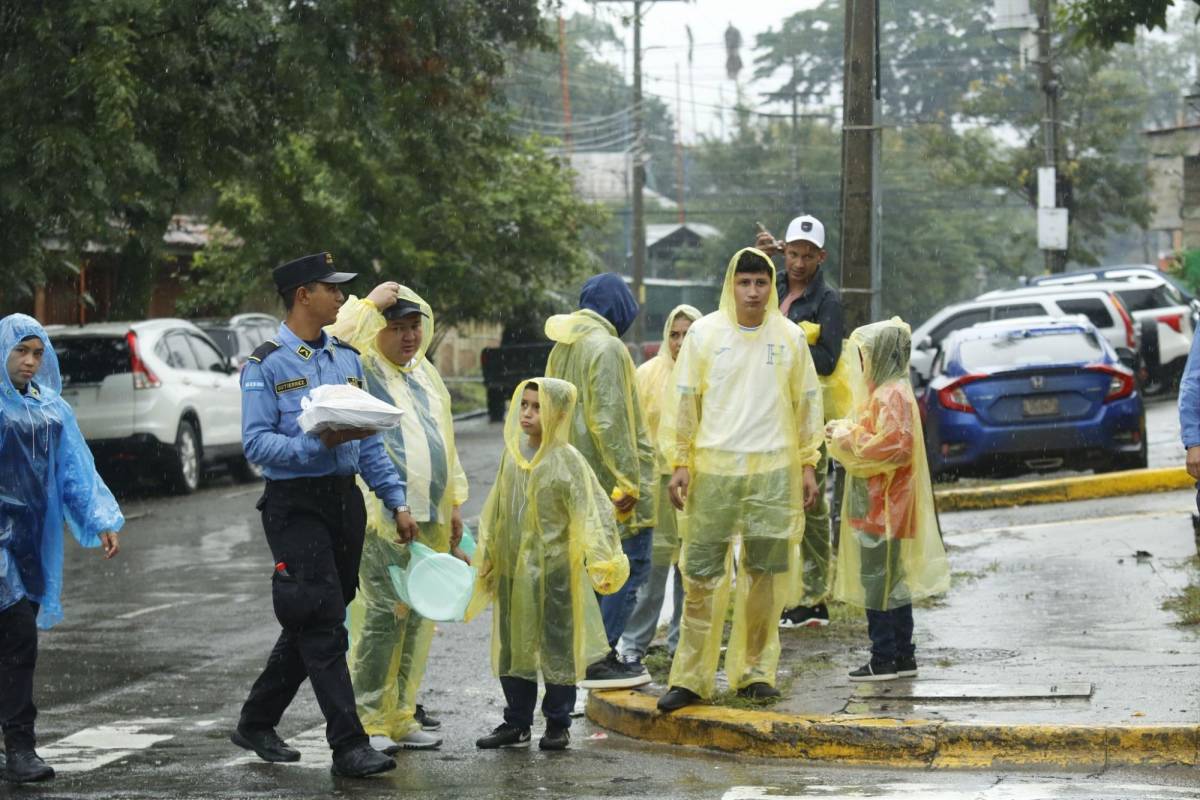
(548,542)
(744,437)
(392,328)
(654,388)
(891,549)
(610,432)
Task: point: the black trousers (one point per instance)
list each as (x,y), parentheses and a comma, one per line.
(315,528)
(18,657)
(521,698)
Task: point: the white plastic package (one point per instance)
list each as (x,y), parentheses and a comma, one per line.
(341,406)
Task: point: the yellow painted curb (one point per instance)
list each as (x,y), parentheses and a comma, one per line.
(1084,487)
(894,742)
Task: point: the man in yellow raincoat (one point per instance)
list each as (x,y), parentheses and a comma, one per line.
(609,431)
(548,542)
(744,437)
(654,389)
(392,328)
(891,549)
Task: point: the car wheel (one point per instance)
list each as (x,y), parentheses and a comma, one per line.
(185,465)
(495,404)
(244,471)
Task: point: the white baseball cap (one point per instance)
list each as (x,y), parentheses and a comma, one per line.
(807,229)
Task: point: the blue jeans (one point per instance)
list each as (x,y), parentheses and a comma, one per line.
(643,622)
(615,608)
(891,633)
(520,696)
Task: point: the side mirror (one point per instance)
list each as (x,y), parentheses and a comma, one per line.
(926,343)
(1127,357)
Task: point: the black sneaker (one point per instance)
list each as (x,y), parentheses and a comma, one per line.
(805,617)
(676,698)
(506,736)
(906,666)
(555,738)
(612,673)
(428,723)
(759,691)
(874,671)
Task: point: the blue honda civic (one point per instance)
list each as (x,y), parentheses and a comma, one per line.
(1036,393)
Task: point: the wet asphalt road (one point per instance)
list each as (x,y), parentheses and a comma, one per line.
(140,686)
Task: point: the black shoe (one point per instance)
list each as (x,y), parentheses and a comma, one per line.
(506,736)
(906,667)
(805,617)
(266,744)
(555,738)
(26,766)
(874,671)
(360,761)
(676,698)
(759,691)
(613,673)
(428,723)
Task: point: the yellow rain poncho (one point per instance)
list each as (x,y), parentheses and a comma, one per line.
(548,542)
(607,427)
(747,419)
(389,641)
(891,549)
(654,389)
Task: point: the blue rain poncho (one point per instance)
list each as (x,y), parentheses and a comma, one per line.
(47,479)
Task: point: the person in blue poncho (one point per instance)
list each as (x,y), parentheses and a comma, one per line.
(47,479)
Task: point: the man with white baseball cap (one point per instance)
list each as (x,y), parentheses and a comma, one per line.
(804,297)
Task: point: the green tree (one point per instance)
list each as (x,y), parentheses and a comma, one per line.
(1107,23)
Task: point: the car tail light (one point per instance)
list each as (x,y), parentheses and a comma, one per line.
(1130,338)
(954,397)
(1120,381)
(143,378)
(1174,321)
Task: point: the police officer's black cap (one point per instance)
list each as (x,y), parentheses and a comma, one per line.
(317,267)
(401,309)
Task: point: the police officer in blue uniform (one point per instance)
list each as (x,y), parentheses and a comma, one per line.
(314,517)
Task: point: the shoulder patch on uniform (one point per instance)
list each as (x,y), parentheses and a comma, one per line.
(355,382)
(304,351)
(340,343)
(293,384)
(263,350)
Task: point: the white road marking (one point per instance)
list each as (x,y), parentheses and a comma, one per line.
(1075,521)
(92,748)
(314,752)
(1002,790)
(150,610)
(192,598)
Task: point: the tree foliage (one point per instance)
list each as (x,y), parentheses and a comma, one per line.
(1107,23)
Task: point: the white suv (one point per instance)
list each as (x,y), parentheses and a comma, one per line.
(155,394)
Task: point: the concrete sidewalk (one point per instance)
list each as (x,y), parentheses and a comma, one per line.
(1052,647)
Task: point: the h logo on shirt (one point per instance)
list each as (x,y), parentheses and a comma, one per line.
(770,355)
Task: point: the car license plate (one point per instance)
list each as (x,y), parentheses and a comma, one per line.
(1040,406)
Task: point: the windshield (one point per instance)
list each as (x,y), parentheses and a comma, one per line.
(1030,348)
(91,359)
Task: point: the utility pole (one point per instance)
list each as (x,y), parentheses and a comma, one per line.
(679,180)
(860,165)
(1055,259)
(638,330)
(564,80)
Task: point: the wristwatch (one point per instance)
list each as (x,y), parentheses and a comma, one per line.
(403,510)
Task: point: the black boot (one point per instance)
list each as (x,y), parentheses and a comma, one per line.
(360,761)
(23,765)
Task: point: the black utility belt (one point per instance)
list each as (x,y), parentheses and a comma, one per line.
(324,484)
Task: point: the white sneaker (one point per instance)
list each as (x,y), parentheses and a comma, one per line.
(419,740)
(384,744)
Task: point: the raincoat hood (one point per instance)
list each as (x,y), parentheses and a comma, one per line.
(608,296)
(729,302)
(14,329)
(426,328)
(886,349)
(683,309)
(557,400)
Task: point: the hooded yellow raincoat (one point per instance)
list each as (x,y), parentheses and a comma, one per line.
(746,420)
(654,389)
(389,641)
(548,542)
(891,550)
(607,426)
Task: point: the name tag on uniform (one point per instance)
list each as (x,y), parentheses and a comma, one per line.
(287,386)
(355,382)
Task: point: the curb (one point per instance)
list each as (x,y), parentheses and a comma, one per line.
(480,412)
(884,741)
(1085,487)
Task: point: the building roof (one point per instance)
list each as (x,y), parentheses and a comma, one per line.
(606,177)
(656,233)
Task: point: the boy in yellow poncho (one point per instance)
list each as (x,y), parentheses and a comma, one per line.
(891,549)
(392,328)
(548,542)
(744,437)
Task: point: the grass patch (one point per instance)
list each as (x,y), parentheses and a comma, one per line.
(466,396)
(958,578)
(1186,604)
(658,663)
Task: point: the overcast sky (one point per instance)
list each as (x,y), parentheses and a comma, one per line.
(665,43)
